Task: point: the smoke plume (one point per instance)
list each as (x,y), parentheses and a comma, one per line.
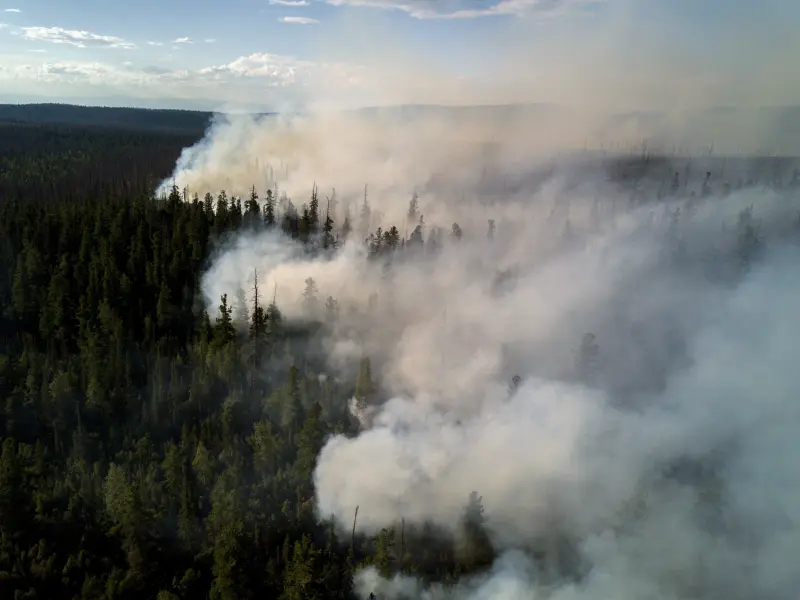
(645,304)
(694,371)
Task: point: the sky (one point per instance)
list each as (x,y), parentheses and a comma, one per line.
(277,54)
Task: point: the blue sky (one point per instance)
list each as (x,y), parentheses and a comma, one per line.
(274,53)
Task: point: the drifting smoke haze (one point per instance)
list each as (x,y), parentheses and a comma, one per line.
(695,364)
(664,467)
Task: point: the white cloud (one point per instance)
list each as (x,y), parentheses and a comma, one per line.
(294,3)
(468,9)
(12,10)
(273,69)
(299,20)
(74,37)
(183,40)
(276,80)
(69,72)
(155,44)
(209,40)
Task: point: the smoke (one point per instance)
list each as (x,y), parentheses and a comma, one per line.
(509,579)
(695,370)
(557,450)
(650,459)
(391,150)
(615,78)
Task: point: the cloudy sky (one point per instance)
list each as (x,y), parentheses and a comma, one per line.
(279,53)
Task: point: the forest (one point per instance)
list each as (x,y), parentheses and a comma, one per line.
(144,456)
(154,448)
(119,118)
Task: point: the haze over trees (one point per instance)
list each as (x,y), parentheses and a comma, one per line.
(156,447)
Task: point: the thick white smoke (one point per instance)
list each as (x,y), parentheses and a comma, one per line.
(696,362)
(393,149)
(554,448)
(660,469)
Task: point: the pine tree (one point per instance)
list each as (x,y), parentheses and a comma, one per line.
(313,211)
(224,330)
(310,301)
(252,208)
(299,576)
(328,240)
(474,548)
(331,310)
(365,217)
(416,237)
(413,208)
(241,310)
(269,210)
(383,552)
(290,223)
(365,386)
(306,226)
(309,443)
(292,406)
(258,323)
(347,228)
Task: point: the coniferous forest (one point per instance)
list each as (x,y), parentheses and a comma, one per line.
(150,450)
(141,455)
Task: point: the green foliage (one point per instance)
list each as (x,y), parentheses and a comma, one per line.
(140,458)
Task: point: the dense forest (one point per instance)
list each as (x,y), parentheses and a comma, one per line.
(146,452)
(148,449)
(174,121)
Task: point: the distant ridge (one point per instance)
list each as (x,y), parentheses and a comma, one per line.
(173,120)
(765,130)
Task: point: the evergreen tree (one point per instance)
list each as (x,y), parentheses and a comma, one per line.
(313,212)
(413,209)
(252,209)
(269,210)
(224,331)
(310,300)
(365,386)
(328,241)
(346,228)
(474,548)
